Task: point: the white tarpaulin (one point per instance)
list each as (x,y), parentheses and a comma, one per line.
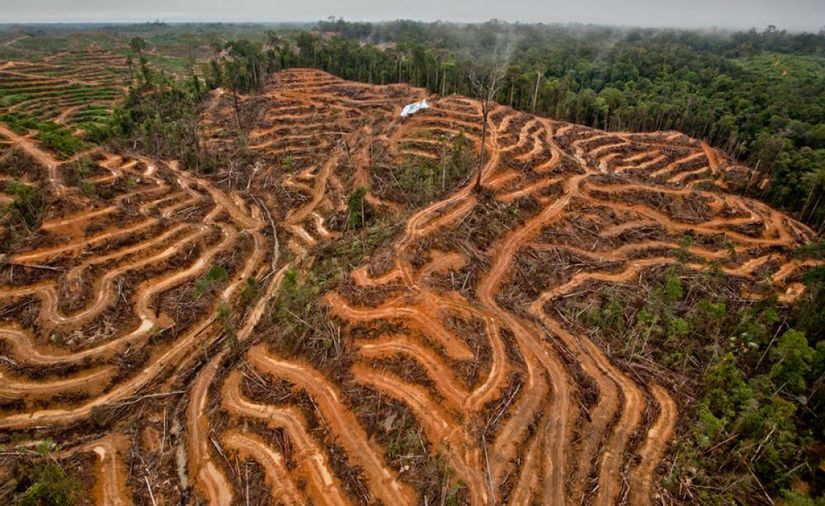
(414,108)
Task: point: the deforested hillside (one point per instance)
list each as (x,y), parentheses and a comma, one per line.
(340,313)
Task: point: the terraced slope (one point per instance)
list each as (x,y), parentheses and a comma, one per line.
(88,299)
(72,88)
(123,340)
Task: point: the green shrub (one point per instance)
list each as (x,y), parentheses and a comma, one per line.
(215,277)
(224,315)
(355,208)
(793,359)
(27,203)
(53,136)
(42,482)
(10,100)
(250,289)
(50,486)
(59,139)
(757,411)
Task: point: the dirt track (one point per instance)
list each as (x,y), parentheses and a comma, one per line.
(500,402)
(45,158)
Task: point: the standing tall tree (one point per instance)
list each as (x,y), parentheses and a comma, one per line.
(815,183)
(244,70)
(137,45)
(536,91)
(216,45)
(486,84)
(235,75)
(129,64)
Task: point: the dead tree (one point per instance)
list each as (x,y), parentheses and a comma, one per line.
(536,91)
(486,85)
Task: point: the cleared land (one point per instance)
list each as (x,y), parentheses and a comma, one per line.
(137,320)
(74,88)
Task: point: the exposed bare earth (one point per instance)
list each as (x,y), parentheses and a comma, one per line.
(108,349)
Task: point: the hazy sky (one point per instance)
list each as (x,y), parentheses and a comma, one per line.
(789,14)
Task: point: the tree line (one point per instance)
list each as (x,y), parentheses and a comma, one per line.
(757,95)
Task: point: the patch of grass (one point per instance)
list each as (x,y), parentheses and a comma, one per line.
(335,260)
(53,136)
(10,100)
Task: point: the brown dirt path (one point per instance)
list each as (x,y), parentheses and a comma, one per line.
(658,436)
(278,480)
(341,421)
(110,487)
(89,382)
(42,157)
(209,479)
(311,461)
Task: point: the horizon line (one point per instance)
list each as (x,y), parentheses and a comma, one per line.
(190,21)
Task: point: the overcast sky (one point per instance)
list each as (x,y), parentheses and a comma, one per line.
(789,14)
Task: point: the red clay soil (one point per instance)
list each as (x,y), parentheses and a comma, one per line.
(518,433)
